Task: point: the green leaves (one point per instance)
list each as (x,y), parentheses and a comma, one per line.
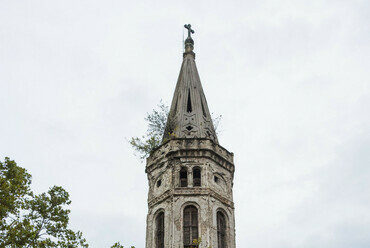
(157,120)
(156,126)
(145,145)
(14,186)
(118,245)
(34,221)
(29,220)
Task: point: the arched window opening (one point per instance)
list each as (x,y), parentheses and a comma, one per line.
(159,232)
(196,177)
(184,177)
(221,230)
(190,226)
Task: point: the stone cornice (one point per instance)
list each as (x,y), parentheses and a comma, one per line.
(189,192)
(195,147)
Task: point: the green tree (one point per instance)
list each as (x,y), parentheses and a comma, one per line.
(157,121)
(29,220)
(118,245)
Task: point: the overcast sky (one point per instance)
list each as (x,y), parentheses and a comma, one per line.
(290,78)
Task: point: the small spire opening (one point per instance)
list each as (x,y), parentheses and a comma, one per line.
(189,108)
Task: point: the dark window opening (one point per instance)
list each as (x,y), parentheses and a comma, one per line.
(159,182)
(208,133)
(216,179)
(183,177)
(189,108)
(190,226)
(159,232)
(221,230)
(189,128)
(196,177)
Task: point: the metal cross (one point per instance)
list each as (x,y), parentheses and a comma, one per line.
(190,31)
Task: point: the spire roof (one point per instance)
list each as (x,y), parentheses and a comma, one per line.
(189,116)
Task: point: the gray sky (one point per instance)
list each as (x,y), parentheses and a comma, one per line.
(291,79)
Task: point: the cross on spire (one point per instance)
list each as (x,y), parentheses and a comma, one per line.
(190,31)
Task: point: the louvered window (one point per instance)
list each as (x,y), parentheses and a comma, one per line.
(221,230)
(190,226)
(159,232)
(183,177)
(196,177)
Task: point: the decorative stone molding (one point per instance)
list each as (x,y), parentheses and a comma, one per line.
(196,148)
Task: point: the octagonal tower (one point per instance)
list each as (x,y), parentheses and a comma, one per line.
(190,175)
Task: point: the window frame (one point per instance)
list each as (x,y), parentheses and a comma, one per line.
(159,224)
(193,227)
(183,180)
(222,231)
(197,181)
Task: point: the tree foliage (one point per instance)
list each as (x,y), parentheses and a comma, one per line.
(29,220)
(118,245)
(157,121)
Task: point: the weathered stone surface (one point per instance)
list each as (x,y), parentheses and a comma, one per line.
(192,145)
(165,165)
(189,115)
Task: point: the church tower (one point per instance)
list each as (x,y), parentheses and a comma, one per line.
(190,175)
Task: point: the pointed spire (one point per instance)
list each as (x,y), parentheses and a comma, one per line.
(189,116)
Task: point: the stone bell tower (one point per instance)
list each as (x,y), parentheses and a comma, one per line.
(190,175)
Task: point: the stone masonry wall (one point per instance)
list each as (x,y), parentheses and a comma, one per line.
(214,194)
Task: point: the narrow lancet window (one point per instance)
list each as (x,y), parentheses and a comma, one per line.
(221,230)
(184,177)
(196,177)
(190,226)
(159,232)
(189,108)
